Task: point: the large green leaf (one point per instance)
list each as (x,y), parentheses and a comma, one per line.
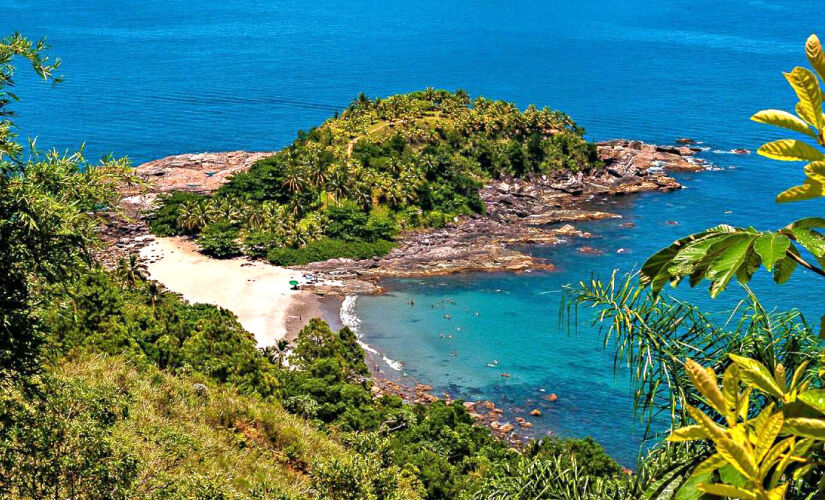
(809,222)
(811,240)
(790,150)
(771,247)
(815,398)
(783,270)
(779,118)
(724,268)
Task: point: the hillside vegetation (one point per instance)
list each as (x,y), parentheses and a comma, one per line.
(345,188)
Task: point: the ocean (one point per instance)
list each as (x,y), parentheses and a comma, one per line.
(150,79)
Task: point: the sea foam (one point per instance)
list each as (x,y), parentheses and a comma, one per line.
(350,319)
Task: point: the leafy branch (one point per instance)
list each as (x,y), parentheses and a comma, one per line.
(722,253)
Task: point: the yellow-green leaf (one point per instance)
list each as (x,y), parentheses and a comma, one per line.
(755,374)
(805,427)
(736,454)
(798,373)
(768,435)
(771,247)
(726,490)
(779,118)
(730,385)
(778,493)
(688,433)
(813,49)
(806,86)
(816,171)
(807,191)
(773,456)
(815,398)
(706,383)
(790,150)
(805,113)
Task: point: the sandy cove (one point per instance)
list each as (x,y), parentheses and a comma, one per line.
(258,293)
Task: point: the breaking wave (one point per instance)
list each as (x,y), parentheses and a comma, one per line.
(350,319)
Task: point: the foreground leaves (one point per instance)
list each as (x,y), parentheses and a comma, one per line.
(760,451)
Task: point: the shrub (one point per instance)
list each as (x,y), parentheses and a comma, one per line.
(163,220)
(346,221)
(328,249)
(586,453)
(219,239)
(56,441)
(380,226)
(258,243)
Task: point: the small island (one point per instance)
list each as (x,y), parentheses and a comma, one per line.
(421,184)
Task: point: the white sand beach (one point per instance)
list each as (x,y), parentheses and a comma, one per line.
(258,293)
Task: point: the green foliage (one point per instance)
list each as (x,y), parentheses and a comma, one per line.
(219,239)
(556,478)
(134,318)
(49,205)
(107,429)
(163,221)
(328,249)
(586,455)
(56,440)
(723,253)
(403,162)
(12,47)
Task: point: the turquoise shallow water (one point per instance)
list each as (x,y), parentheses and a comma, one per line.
(148,79)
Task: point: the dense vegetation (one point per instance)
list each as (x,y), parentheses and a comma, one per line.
(345,188)
(111,387)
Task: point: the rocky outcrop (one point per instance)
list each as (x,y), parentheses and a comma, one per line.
(200,172)
(518,212)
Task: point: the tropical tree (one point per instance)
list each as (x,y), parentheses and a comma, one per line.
(49,216)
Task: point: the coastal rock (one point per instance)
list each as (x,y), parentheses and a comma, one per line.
(625,157)
(535,412)
(200,173)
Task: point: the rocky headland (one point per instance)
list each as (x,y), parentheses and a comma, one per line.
(540,210)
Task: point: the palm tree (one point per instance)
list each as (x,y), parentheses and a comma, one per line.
(293,179)
(192,216)
(131,270)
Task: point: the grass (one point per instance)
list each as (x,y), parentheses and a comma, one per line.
(189,432)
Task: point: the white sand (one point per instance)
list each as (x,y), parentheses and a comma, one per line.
(258,293)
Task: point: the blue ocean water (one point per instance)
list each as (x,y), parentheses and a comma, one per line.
(149,79)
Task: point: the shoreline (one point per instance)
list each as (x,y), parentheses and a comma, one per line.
(539,210)
(259,294)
